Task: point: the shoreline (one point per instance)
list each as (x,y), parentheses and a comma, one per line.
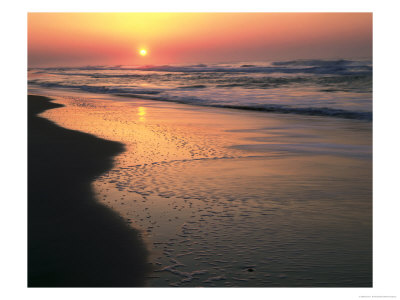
(73,240)
(192,205)
(317,111)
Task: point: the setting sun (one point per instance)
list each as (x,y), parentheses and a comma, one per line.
(143,52)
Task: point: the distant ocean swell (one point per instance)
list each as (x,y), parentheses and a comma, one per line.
(338,67)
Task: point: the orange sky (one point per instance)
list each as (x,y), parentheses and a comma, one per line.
(66,39)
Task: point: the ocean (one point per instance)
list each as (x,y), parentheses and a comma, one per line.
(331,88)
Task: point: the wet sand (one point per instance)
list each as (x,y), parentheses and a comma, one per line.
(74,241)
(230,198)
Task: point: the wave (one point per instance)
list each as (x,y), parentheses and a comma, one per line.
(94,89)
(337,67)
(322,62)
(160,96)
(198,86)
(274,108)
(355,83)
(331,83)
(311,111)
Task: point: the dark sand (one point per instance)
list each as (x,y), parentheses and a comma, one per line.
(73,241)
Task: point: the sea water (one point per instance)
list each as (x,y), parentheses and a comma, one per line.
(341,88)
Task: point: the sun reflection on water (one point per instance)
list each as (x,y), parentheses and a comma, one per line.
(142,113)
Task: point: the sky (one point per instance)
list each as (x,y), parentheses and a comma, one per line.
(80,39)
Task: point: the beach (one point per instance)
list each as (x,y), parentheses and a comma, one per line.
(212,196)
(73,241)
(206,150)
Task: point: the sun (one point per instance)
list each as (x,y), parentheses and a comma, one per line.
(143,52)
